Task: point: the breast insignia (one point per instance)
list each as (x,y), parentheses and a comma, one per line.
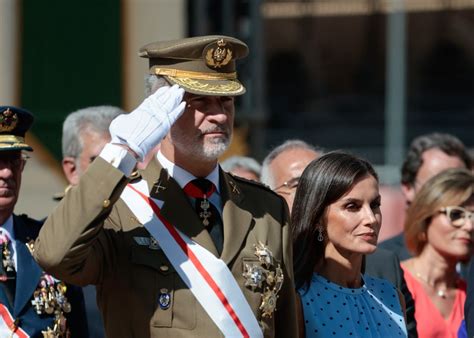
(266,277)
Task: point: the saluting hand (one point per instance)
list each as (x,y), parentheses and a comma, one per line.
(145,127)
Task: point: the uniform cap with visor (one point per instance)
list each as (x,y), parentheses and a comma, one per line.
(203,65)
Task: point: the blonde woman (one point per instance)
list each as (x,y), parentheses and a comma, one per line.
(439,232)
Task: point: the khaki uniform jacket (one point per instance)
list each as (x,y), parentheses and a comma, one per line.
(90,238)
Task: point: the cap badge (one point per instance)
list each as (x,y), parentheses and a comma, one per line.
(8,120)
(220,56)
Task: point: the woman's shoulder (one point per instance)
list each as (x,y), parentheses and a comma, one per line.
(319,286)
(379,285)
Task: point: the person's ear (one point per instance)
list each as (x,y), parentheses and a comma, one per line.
(70,170)
(409,192)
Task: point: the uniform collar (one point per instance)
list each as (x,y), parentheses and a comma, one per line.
(183,177)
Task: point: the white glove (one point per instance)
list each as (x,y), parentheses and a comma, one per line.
(145,127)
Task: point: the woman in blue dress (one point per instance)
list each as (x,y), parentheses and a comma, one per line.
(336,220)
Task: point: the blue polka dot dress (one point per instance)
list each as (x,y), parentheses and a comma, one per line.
(331,310)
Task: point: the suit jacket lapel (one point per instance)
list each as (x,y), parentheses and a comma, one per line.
(27,277)
(4,299)
(236,220)
(177,209)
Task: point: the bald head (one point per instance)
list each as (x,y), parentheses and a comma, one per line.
(283,167)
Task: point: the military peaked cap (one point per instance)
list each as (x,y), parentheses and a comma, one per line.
(14,123)
(203,65)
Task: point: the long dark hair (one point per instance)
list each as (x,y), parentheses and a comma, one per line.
(323,182)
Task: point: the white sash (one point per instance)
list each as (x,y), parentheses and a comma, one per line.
(208,277)
(6,325)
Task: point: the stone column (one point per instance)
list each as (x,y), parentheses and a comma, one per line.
(9,42)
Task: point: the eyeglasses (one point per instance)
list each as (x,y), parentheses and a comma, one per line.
(13,160)
(288,187)
(457,216)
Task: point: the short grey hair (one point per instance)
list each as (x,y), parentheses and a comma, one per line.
(96,119)
(153,83)
(267,177)
(243,162)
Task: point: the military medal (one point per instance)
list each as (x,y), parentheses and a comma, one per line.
(269,301)
(7,260)
(61,297)
(37,302)
(3,273)
(279,278)
(50,299)
(8,263)
(205,214)
(254,275)
(264,254)
(202,205)
(266,277)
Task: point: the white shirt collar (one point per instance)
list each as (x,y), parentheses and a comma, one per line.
(182,176)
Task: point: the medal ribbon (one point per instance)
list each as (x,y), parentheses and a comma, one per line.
(3,238)
(194,254)
(8,326)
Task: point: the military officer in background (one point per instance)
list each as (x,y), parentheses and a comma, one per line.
(85,133)
(180,249)
(32,303)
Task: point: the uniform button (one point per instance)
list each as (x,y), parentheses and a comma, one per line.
(106,203)
(134,175)
(164,268)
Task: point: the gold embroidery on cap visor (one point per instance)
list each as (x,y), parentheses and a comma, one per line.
(202,87)
(12,142)
(195,75)
(200,83)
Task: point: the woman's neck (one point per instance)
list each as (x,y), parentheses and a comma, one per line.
(434,269)
(342,269)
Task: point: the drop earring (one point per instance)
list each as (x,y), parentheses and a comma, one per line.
(320,233)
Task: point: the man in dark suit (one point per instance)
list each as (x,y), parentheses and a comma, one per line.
(32,303)
(180,249)
(469,304)
(427,156)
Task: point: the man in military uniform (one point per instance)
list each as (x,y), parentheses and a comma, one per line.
(180,249)
(32,303)
(85,133)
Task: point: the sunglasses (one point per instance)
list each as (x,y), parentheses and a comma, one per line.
(457,216)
